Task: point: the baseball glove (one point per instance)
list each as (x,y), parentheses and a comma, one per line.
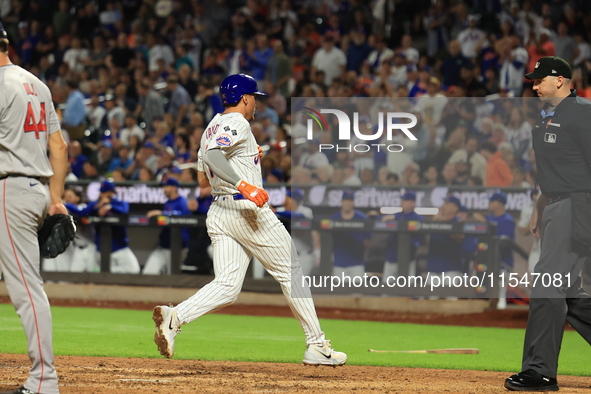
(55,235)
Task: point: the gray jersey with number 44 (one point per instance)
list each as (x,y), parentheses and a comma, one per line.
(27,116)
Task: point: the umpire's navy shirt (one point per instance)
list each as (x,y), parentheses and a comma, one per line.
(562,143)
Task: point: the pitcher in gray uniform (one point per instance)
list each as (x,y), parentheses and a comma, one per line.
(28,127)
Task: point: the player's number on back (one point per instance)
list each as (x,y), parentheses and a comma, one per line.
(31,124)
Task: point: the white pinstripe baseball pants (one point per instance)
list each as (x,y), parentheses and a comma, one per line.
(238,231)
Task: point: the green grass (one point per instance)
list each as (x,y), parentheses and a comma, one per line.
(127,333)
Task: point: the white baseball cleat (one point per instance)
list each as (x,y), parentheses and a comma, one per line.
(324,355)
(167,329)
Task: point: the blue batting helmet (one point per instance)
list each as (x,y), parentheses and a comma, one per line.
(235,86)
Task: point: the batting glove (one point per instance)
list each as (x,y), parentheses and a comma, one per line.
(255,194)
(260,152)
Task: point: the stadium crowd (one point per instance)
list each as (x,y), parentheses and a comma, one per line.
(137,81)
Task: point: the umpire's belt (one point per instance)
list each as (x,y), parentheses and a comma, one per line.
(229,196)
(559,197)
(43,179)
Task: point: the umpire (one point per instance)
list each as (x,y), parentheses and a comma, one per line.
(562,218)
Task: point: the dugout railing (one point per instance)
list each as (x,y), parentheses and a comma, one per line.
(486,260)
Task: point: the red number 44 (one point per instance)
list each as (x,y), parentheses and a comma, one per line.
(31,124)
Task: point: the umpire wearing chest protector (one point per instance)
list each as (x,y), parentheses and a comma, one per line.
(562,218)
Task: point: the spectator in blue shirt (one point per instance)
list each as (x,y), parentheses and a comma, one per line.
(349,246)
(261,58)
(123,261)
(123,159)
(358,51)
(408,203)
(75,111)
(159,260)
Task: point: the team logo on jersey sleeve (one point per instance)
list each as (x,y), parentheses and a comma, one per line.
(224,140)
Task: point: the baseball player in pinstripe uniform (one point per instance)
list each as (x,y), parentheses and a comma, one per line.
(28,127)
(242,225)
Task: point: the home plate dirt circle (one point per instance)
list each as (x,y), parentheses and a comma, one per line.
(137,375)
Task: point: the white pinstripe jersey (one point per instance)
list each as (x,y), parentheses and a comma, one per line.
(231,134)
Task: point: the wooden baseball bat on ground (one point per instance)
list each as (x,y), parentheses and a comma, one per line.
(434,351)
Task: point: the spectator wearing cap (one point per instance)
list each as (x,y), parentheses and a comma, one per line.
(279,70)
(303,240)
(450,69)
(349,246)
(75,111)
(358,51)
(445,254)
(123,261)
(498,172)
(180,101)
(524,229)
(513,59)
(330,60)
(159,260)
(505,228)
(470,37)
(408,204)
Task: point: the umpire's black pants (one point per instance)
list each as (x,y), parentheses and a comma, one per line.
(553,304)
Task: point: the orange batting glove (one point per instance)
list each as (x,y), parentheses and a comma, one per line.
(255,194)
(260,152)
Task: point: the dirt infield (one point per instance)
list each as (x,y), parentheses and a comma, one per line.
(127,375)
(122,375)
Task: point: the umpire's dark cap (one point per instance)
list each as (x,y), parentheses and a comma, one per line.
(107,186)
(551,65)
(3,33)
